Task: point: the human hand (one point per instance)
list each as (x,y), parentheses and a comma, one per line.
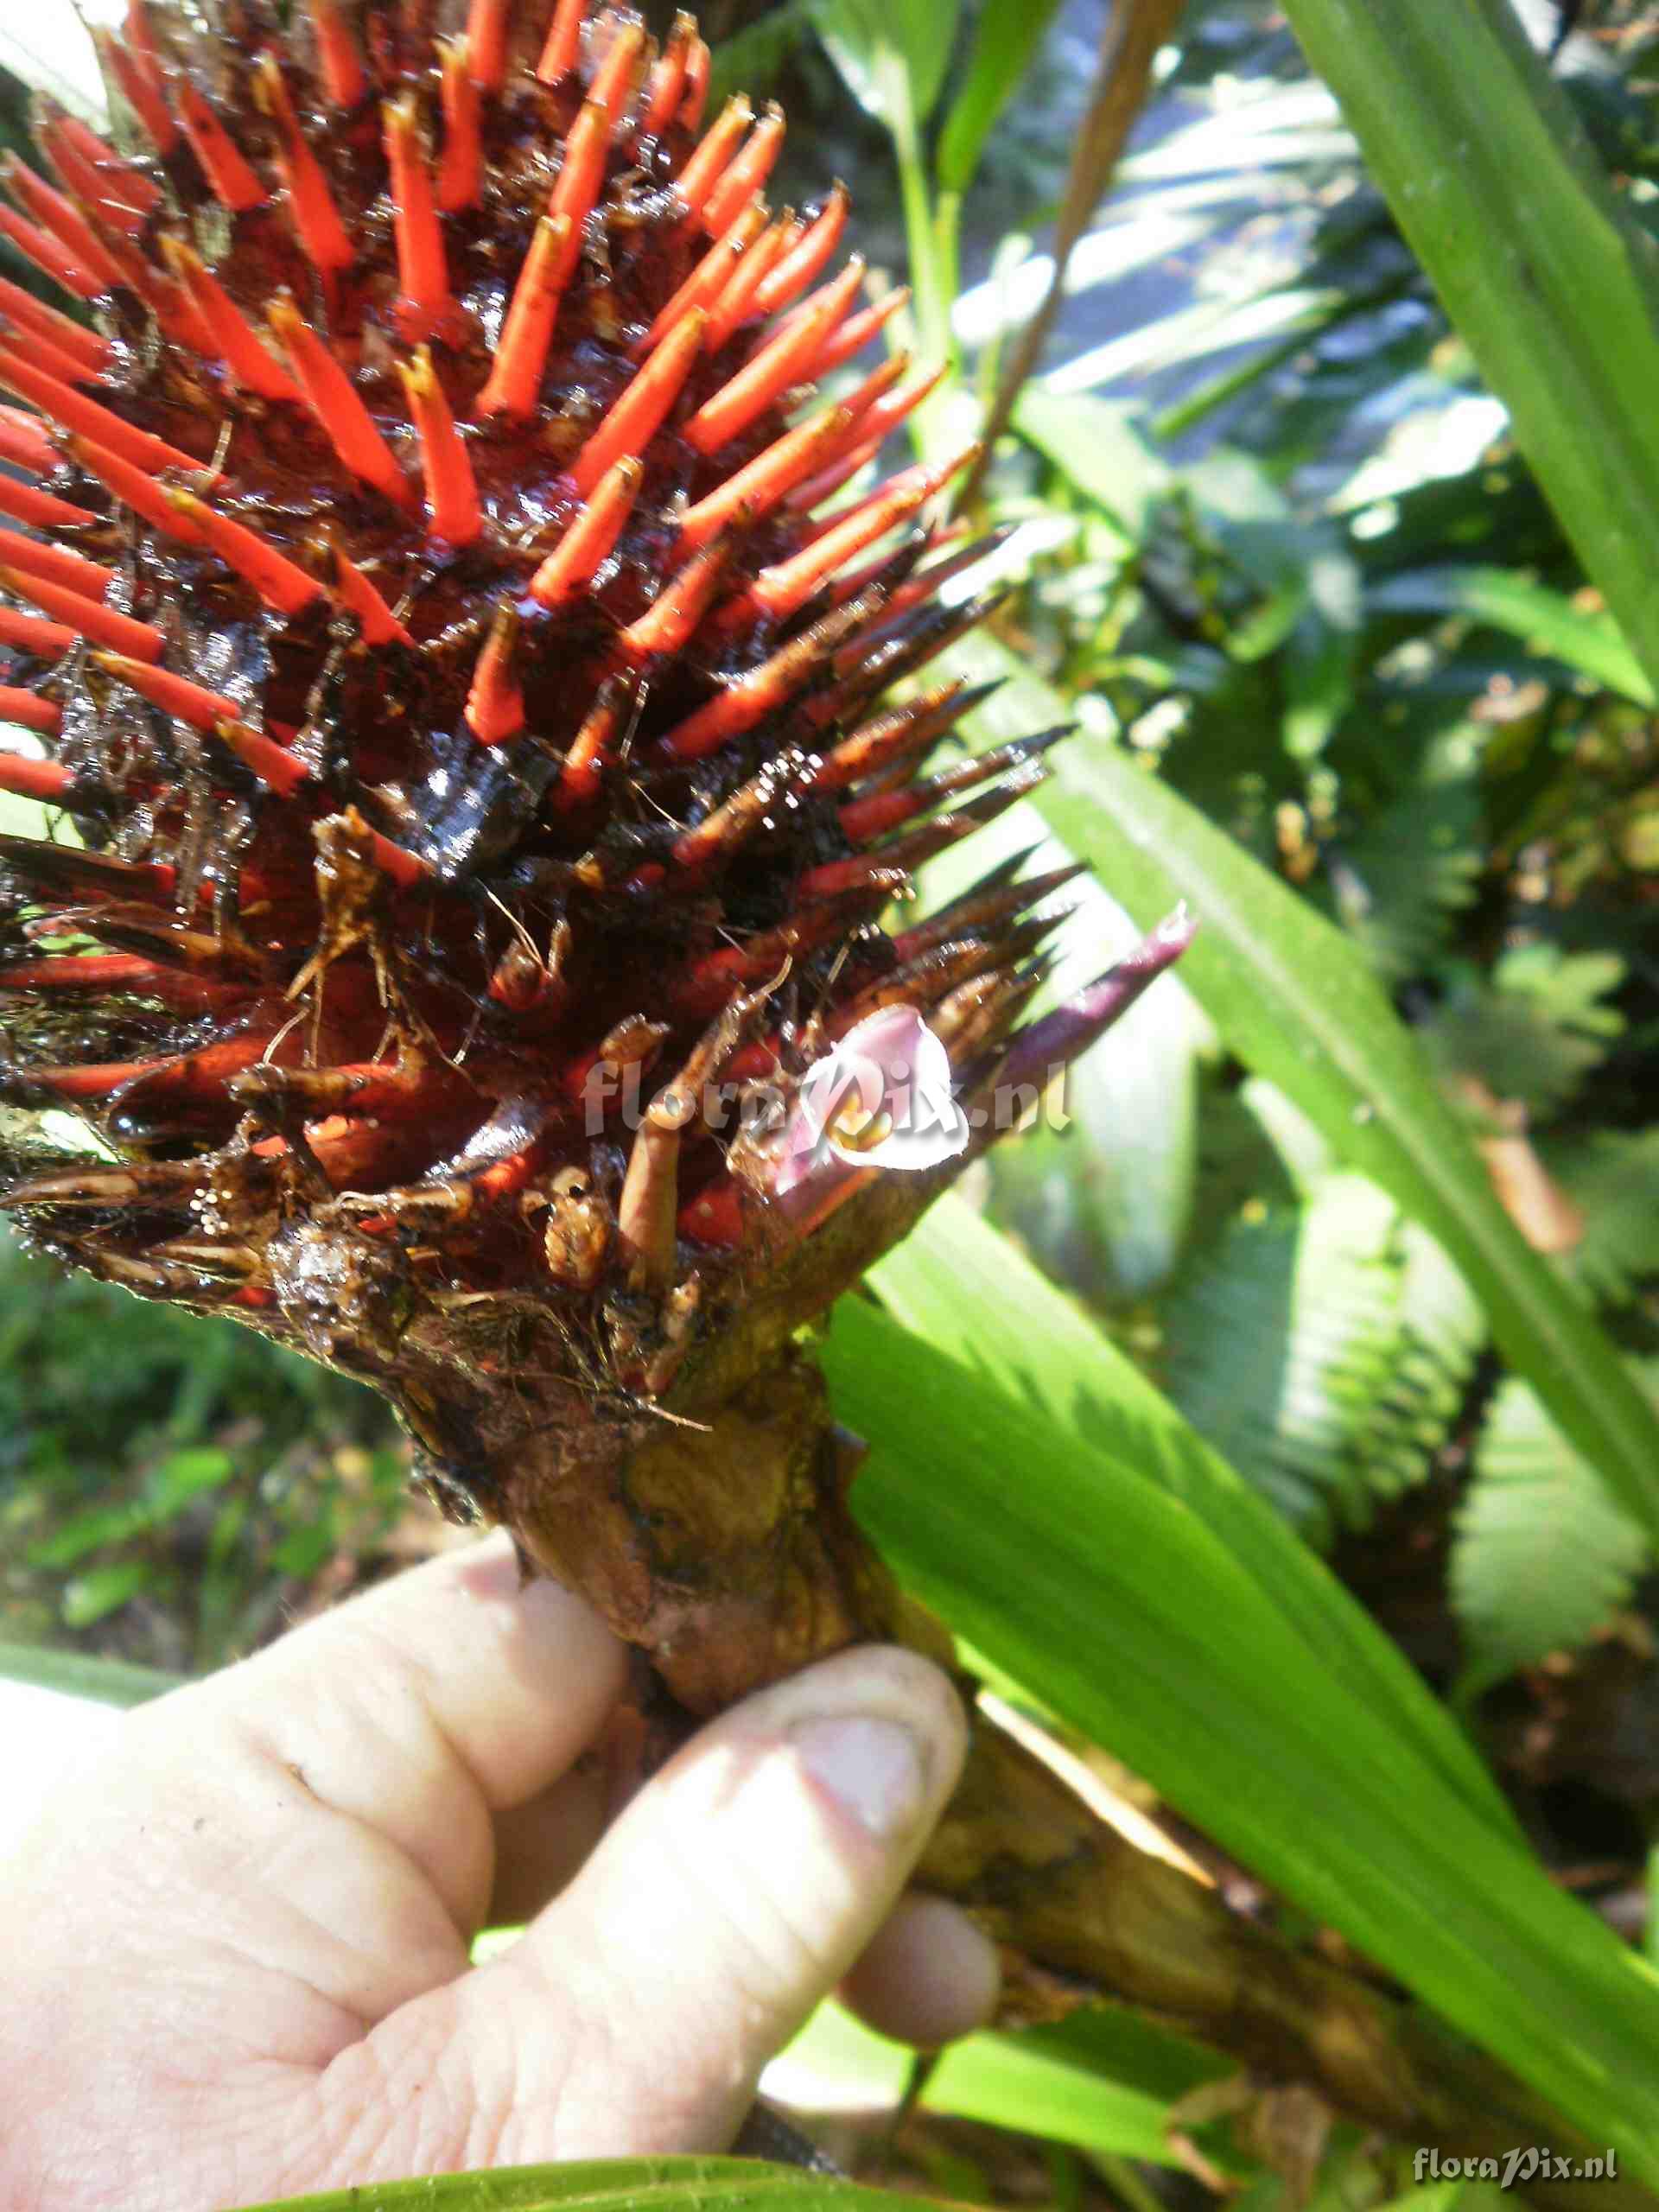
(236,1945)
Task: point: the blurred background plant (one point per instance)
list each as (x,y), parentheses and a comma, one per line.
(1271,540)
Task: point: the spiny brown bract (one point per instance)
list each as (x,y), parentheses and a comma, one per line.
(426,598)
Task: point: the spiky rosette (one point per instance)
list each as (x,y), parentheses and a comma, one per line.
(426,601)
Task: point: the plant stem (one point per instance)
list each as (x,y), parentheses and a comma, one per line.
(929,274)
(1135,31)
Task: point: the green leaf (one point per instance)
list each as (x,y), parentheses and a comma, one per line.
(954,1280)
(1297,1002)
(752,59)
(1134,1619)
(1552,283)
(1103,2081)
(169,1489)
(1546,621)
(103,1590)
(1409,868)
(1292,1344)
(661,2184)
(1541,1556)
(1010,32)
(1613,1176)
(183,1476)
(892,54)
(78,1674)
(1536,1029)
(87,1533)
(1098,445)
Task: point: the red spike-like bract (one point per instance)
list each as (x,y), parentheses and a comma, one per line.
(435,879)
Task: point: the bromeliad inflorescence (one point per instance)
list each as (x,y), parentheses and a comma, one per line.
(427,591)
(494,738)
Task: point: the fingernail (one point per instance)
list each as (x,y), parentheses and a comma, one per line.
(873,1769)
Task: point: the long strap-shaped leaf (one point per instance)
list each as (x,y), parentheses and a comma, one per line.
(610,2185)
(1555,289)
(954,1281)
(1297,1001)
(1136,1620)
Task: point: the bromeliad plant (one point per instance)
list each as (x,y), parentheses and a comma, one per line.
(471,723)
(473,730)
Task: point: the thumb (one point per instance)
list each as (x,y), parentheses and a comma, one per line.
(735,1890)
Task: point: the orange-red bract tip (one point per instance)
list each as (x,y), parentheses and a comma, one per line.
(784,361)
(334,401)
(25,443)
(666,83)
(49,255)
(613,78)
(638,412)
(584,760)
(235,342)
(93,353)
(29,711)
(36,556)
(86,618)
(857,331)
(322,234)
(97,188)
(134,487)
(495,703)
(763,481)
(747,174)
(562,47)
(53,358)
(451,488)
(273,764)
(878,409)
(281,584)
(232,176)
(788,584)
(765,689)
(699,64)
(379,626)
(59,215)
(173,694)
(570,568)
(39,510)
(515,380)
(461,164)
(64,405)
(709,159)
(581,170)
(142,89)
(406,869)
(338,60)
(31,635)
(422,271)
(711,276)
(487,42)
(735,304)
(670,621)
(47,781)
(111,174)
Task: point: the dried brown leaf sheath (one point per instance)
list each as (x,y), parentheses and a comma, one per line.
(422,592)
